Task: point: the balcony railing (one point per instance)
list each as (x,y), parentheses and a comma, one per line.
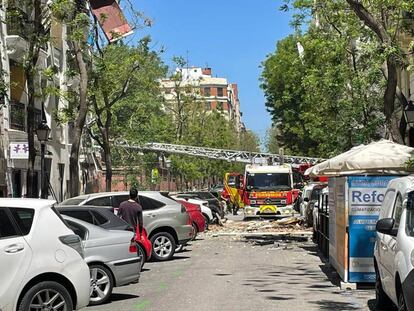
(17,113)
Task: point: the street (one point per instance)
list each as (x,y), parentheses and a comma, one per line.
(228,273)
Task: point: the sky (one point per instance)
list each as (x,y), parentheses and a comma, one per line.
(232,37)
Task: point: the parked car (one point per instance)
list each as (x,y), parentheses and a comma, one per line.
(394,246)
(196,216)
(213,203)
(105,218)
(205,210)
(41,258)
(166,221)
(111,256)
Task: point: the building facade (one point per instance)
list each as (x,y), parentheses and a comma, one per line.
(214,93)
(13,113)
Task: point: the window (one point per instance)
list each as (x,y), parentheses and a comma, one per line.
(98,218)
(398,209)
(78,229)
(149,204)
(7,228)
(82,215)
(387,203)
(118,199)
(207,91)
(23,218)
(219,106)
(17,116)
(220,92)
(104,201)
(208,106)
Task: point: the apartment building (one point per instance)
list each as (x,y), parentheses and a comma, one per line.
(214,93)
(13,132)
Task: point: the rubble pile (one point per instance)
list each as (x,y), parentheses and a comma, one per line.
(291,224)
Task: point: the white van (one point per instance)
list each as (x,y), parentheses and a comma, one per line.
(394,246)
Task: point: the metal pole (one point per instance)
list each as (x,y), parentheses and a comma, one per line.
(43,194)
(169,179)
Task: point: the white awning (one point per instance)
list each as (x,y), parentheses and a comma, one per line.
(382,157)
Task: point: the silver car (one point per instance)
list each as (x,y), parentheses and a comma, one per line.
(166,221)
(111,256)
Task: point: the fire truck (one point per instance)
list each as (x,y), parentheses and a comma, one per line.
(269,190)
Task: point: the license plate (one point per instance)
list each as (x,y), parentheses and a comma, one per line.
(268,209)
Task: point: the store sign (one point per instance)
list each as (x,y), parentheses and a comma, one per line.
(366,194)
(19,150)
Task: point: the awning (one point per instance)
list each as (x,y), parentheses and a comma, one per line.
(377,158)
(111,19)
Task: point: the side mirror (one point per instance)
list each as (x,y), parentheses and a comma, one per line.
(386,226)
(306,200)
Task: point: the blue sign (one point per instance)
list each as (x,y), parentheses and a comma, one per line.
(365,196)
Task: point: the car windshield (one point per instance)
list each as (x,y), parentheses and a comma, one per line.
(231,181)
(74,201)
(268,181)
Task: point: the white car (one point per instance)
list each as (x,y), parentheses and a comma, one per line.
(41,264)
(394,246)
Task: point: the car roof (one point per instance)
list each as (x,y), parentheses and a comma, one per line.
(96,231)
(26,203)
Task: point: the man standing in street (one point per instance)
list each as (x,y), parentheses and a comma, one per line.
(131,211)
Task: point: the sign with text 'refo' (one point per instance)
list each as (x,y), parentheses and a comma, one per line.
(365,196)
(19,150)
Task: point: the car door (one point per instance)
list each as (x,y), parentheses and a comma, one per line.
(387,246)
(152,212)
(15,254)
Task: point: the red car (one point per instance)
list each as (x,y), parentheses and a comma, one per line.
(196,216)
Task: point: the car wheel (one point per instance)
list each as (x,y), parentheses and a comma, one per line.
(401,302)
(102,284)
(163,246)
(382,299)
(49,295)
(206,221)
(195,228)
(143,254)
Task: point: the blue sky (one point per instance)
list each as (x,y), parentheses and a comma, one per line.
(231,36)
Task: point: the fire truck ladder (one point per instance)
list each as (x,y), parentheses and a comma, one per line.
(220,154)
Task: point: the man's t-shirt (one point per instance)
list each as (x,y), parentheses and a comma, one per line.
(131,212)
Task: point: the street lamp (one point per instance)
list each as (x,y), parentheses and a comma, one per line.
(168,166)
(409,113)
(42,133)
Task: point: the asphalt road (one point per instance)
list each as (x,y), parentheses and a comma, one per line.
(224,273)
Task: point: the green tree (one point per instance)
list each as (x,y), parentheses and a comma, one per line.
(122,78)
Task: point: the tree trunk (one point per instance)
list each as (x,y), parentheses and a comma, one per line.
(79,122)
(30,73)
(378,27)
(108,165)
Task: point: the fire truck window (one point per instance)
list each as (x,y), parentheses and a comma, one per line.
(232,181)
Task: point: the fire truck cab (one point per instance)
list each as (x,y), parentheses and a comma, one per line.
(270,190)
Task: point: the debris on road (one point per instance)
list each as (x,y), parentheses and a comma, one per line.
(262,229)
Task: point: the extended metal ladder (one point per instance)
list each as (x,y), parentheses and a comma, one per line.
(220,154)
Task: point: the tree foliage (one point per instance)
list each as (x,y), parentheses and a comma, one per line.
(326,87)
